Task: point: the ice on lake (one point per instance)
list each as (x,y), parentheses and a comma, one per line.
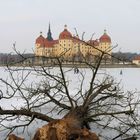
(128,78)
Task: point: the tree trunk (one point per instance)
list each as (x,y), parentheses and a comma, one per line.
(70,127)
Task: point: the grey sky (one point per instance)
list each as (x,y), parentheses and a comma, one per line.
(22,20)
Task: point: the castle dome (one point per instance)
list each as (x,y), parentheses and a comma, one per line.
(65,34)
(40,40)
(105,38)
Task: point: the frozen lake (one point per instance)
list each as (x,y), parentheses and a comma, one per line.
(128,78)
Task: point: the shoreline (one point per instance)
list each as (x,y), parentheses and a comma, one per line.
(77,65)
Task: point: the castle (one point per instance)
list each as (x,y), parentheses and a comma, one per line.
(70,47)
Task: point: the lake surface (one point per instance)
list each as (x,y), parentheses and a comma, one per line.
(128,78)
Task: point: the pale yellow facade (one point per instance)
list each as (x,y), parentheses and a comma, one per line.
(68,47)
(137,62)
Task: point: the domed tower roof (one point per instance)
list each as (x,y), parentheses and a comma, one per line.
(65,34)
(105,38)
(40,39)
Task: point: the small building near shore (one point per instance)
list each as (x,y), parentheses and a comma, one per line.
(136,60)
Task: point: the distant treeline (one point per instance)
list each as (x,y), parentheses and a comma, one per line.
(124,56)
(13,58)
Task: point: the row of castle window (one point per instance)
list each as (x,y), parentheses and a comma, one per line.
(47,53)
(61,41)
(84,49)
(64,45)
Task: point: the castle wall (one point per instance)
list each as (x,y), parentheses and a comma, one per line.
(69,47)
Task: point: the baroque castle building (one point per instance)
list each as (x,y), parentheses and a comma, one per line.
(70,47)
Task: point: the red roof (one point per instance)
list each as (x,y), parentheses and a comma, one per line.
(65,34)
(136,58)
(105,38)
(75,39)
(40,40)
(49,44)
(45,42)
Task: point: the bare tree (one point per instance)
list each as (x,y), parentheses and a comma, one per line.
(93,98)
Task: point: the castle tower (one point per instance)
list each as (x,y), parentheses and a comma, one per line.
(65,43)
(105,43)
(49,34)
(40,45)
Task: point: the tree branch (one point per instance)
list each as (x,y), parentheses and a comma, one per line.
(26,113)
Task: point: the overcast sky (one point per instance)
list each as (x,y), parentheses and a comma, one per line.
(22,20)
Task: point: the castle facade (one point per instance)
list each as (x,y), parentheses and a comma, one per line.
(70,47)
